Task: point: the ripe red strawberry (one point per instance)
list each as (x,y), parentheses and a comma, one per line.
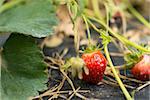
(96,63)
(141,70)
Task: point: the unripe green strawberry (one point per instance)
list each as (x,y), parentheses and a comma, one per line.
(96,63)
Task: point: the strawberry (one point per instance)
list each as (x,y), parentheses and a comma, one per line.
(141,70)
(96,63)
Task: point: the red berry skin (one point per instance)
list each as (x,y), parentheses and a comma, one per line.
(96,63)
(141,70)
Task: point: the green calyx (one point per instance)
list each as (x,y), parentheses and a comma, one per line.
(131,59)
(91,48)
(134,57)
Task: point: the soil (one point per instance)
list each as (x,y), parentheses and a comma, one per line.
(97,92)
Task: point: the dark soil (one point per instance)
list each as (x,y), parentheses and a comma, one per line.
(97,92)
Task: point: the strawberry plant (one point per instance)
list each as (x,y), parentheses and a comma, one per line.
(24,73)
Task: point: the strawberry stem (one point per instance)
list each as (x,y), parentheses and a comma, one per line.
(73,10)
(119,37)
(69,80)
(76,39)
(124,90)
(87,27)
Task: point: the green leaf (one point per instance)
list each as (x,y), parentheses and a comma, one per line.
(34,17)
(22,72)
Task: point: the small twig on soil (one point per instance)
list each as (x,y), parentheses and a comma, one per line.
(142,86)
(71,83)
(130,79)
(110,79)
(139,88)
(59,87)
(61,92)
(74,93)
(81,96)
(115,84)
(50,59)
(114,81)
(53,67)
(69,80)
(51,91)
(53,61)
(62,96)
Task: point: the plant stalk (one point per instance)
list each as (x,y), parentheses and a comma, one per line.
(119,37)
(87,27)
(124,90)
